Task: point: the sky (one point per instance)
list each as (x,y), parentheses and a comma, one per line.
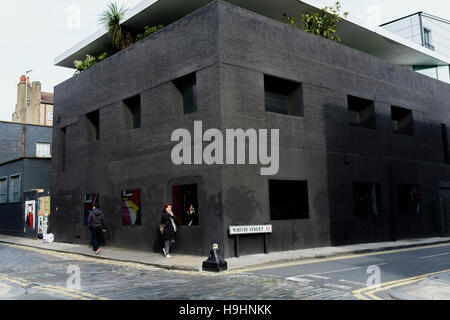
(36,32)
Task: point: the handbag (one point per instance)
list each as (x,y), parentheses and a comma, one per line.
(161,228)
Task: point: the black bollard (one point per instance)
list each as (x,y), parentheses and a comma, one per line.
(215,261)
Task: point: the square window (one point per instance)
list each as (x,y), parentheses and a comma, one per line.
(367,199)
(93,125)
(283,96)
(14,188)
(187,93)
(409,199)
(288,199)
(402,121)
(133,112)
(3,190)
(362,112)
(185,196)
(131,207)
(43,150)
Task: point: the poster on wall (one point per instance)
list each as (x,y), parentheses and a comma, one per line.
(131,207)
(30,214)
(43,214)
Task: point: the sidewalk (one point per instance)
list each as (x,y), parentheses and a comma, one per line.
(433,288)
(194,263)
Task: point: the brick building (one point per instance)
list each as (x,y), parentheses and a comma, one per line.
(363,141)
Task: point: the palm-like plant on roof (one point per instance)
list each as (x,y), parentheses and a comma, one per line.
(111,19)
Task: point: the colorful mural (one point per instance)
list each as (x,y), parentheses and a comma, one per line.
(131,207)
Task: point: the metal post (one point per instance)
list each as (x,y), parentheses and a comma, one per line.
(236,243)
(265,243)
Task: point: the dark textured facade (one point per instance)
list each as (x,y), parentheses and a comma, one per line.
(232,51)
(20,163)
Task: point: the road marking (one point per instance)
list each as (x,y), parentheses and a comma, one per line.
(337,286)
(316,276)
(341,270)
(344,257)
(435,255)
(354,282)
(51,288)
(369,292)
(296,279)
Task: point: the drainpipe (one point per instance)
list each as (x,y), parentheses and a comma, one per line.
(421,29)
(24,130)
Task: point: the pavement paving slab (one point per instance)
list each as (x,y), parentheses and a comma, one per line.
(436,287)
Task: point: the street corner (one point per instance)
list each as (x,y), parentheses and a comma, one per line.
(436,287)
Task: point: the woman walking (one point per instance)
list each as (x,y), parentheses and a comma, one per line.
(168,234)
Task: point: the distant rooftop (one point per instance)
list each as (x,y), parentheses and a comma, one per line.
(378,42)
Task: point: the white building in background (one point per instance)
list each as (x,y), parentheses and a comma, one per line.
(427,31)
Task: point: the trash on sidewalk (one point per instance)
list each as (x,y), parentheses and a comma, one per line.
(48,238)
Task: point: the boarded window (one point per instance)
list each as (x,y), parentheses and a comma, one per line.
(409,199)
(131,207)
(362,112)
(89,201)
(14,189)
(283,96)
(3,190)
(366,199)
(187,93)
(133,112)
(183,197)
(402,121)
(288,199)
(43,150)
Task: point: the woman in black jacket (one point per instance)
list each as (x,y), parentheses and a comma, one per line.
(168,236)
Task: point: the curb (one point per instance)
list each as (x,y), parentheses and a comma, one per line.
(272,262)
(156,265)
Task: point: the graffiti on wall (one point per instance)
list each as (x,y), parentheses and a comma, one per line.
(43,214)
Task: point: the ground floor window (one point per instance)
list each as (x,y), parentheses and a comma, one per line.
(131,207)
(288,199)
(366,199)
(14,188)
(3,190)
(185,204)
(89,201)
(409,199)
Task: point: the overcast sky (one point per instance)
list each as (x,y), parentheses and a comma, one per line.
(34,33)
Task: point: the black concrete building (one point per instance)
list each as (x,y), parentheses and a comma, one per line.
(363,143)
(25,165)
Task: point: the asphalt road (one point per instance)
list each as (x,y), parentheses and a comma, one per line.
(368,275)
(34,274)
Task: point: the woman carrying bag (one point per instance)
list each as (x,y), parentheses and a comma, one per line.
(168,229)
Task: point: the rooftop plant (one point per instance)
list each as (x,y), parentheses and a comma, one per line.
(121,37)
(322,23)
